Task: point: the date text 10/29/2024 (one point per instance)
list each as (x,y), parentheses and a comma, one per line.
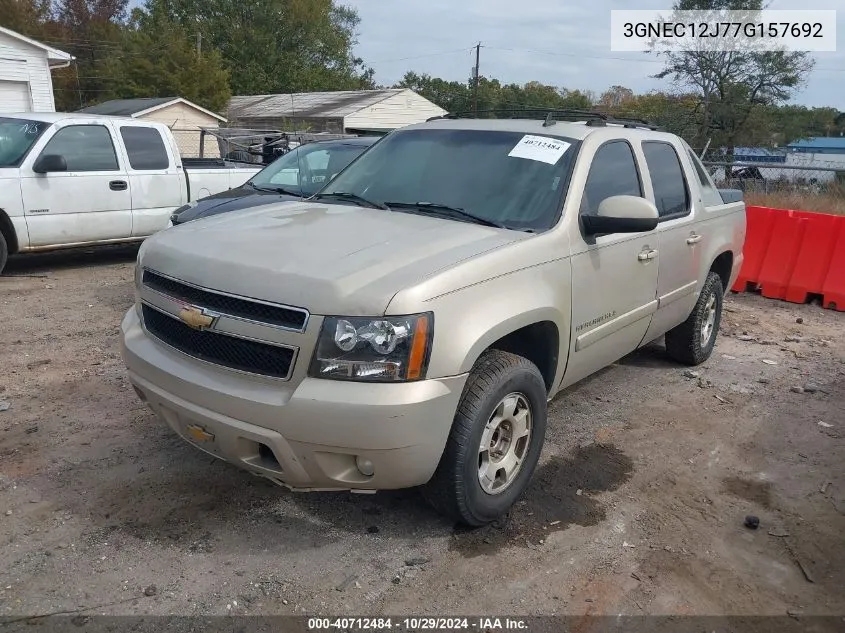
(418,624)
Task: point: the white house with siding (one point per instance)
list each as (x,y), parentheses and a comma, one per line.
(25,81)
(347,111)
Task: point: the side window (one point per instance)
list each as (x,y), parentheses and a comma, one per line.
(613,173)
(85,148)
(703,178)
(671,195)
(145,148)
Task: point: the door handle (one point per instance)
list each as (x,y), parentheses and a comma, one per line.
(648,255)
(693,239)
(118,185)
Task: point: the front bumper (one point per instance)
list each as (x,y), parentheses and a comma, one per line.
(304,435)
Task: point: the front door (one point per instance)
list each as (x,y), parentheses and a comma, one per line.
(89,202)
(614,277)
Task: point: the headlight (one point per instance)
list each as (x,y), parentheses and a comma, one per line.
(382,349)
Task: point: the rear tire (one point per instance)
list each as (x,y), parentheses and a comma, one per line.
(692,341)
(504,395)
(4,253)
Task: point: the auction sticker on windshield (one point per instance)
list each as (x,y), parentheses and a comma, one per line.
(541,148)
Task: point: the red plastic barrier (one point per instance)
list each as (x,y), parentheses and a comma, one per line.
(792,254)
(813,265)
(785,246)
(833,287)
(758,233)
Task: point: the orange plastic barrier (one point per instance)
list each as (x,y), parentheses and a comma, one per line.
(791,255)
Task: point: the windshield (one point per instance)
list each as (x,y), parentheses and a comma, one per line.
(17,136)
(308,168)
(504,178)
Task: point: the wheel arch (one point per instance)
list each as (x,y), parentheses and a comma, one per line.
(535,335)
(7,229)
(722,265)
(538,342)
(507,312)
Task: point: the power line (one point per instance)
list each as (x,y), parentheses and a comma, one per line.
(116,46)
(578,55)
(436,54)
(609,57)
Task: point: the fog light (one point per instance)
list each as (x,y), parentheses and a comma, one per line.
(365,466)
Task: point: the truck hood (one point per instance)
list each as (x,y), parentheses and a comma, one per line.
(241,197)
(330,259)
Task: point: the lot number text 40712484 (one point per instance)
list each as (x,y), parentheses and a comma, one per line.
(422,623)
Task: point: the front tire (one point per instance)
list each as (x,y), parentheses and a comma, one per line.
(495,441)
(692,341)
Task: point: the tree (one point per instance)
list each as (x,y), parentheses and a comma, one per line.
(91,31)
(675,113)
(732,85)
(158,59)
(27,17)
(616,98)
(456,96)
(577,99)
(453,96)
(275,46)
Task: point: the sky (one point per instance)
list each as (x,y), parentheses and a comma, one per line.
(565,44)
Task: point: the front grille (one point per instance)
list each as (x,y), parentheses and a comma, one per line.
(228,351)
(280,316)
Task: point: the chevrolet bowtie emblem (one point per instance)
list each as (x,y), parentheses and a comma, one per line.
(196,318)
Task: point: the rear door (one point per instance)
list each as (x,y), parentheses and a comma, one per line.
(89,202)
(677,236)
(155,178)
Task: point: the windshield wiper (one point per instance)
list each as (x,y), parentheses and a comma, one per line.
(279,190)
(446,210)
(351,197)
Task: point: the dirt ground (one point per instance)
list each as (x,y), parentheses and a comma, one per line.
(637,506)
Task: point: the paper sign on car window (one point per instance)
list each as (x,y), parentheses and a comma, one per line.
(541,148)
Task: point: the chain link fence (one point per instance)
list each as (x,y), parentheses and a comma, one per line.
(806,182)
(244,145)
(190,143)
(232,144)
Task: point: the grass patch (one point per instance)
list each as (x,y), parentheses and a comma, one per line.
(832,202)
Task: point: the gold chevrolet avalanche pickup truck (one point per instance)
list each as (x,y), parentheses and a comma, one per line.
(407,325)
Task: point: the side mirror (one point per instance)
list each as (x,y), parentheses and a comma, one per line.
(622,214)
(49,162)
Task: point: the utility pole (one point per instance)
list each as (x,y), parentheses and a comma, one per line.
(199,44)
(475,76)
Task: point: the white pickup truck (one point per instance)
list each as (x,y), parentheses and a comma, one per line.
(76,180)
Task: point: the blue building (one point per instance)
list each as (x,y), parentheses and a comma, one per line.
(758,155)
(819,145)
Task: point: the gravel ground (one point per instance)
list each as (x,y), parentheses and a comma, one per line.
(648,472)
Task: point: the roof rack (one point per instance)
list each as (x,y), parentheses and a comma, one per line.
(551,116)
(631,122)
